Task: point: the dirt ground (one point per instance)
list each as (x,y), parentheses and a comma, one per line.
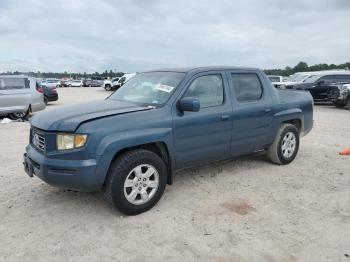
(240,210)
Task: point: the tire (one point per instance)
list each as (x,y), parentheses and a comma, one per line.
(108,88)
(282,152)
(46,100)
(347,105)
(337,104)
(125,168)
(20,115)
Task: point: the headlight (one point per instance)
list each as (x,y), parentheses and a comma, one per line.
(70,141)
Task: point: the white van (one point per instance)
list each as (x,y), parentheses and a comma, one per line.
(122,80)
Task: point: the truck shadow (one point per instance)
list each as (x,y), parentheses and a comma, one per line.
(49,199)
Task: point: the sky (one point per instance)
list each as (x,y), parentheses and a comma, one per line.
(138,35)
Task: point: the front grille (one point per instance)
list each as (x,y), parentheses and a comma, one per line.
(38,140)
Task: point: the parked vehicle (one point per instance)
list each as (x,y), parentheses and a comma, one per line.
(109,84)
(65,82)
(122,80)
(340,95)
(277,81)
(299,77)
(19,96)
(51,83)
(77,83)
(130,144)
(319,84)
(50,93)
(95,81)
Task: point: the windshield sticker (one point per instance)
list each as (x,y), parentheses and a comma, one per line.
(164,88)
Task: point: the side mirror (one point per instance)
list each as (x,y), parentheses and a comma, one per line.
(188,104)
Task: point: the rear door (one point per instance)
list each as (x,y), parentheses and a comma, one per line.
(204,136)
(252,112)
(14,94)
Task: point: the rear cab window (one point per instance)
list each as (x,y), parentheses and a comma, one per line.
(247,87)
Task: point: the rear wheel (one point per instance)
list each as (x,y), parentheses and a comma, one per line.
(285,146)
(19,115)
(136,181)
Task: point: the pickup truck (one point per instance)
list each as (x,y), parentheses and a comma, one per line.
(130,144)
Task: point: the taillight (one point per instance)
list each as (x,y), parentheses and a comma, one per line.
(40,90)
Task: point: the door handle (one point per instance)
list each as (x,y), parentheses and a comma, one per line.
(225,117)
(267,110)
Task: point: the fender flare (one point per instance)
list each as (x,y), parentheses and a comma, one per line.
(113,144)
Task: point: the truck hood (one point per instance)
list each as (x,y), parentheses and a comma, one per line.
(69,118)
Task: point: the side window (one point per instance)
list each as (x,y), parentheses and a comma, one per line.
(247,87)
(12,83)
(209,90)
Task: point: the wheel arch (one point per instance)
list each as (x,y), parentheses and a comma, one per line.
(296,122)
(160,148)
(292,116)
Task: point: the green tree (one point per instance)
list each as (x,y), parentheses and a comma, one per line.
(301,67)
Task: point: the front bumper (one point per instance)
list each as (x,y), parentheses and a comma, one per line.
(77,175)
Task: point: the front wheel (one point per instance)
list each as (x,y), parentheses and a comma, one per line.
(136,181)
(108,88)
(285,146)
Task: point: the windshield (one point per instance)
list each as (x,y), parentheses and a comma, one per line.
(52,81)
(297,77)
(312,79)
(274,78)
(153,88)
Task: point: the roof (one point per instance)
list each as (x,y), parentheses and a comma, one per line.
(201,69)
(14,76)
(325,72)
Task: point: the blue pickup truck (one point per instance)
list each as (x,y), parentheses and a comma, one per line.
(130,144)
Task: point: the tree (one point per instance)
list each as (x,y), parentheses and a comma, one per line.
(301,67)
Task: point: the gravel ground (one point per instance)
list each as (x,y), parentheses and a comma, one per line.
(241,210)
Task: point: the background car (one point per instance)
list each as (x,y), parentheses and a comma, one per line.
(121,81)
(65,82)
(109,83)
(276,80)
(20,95)
(320,84)
(77,83)
(50,93)
(94,81)
(51,83)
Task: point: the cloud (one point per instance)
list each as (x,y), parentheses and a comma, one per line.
(135,35)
